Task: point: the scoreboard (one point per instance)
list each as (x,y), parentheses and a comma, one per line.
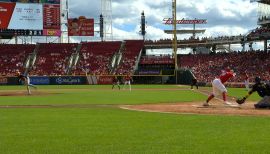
(51,17)
(33,17)
(51,20)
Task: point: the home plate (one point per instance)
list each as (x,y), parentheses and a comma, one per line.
(233,105)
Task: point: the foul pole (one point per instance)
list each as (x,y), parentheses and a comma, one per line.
(174,38)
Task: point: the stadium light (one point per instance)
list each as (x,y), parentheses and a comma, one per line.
(101,26)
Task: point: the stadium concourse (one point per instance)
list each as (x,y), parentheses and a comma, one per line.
(96,58)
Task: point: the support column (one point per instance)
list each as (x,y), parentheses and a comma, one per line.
(265,45)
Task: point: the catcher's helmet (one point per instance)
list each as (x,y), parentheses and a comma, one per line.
(257,79)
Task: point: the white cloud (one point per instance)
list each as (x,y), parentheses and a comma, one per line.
(226,17)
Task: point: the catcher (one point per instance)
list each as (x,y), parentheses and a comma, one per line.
(263,90)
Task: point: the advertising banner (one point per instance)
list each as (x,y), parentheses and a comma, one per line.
(21,1)
(27,16)
(51,17)
(94,80)
(3,80)
(6,11)
(51,32)
(149,72)
(33,1)
(68,80)
(80,27)
(50,1)
(13,81)
(40,80)
(105,80)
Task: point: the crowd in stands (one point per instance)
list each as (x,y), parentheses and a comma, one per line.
(264,18)
(130,56)
(195,40)
(169,41)
(259,31)
(52,59)
(223,38)
(96,57)
(12,58)
(208,66)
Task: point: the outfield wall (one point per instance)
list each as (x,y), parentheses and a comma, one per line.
(85,80)
(101,80)
(36,80)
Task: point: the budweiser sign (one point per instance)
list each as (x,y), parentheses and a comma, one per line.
(169,21)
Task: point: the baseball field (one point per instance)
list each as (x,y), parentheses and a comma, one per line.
(148,119)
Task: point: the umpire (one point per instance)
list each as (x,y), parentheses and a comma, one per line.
(263,90)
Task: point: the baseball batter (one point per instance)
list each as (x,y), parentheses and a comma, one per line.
(219,88)
(26,80)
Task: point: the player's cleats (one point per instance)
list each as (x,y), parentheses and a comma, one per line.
(205,104)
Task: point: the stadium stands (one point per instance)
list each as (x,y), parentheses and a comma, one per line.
(130,55)
(96,57)
(12,58)
(259,31)
(52,59)
(208,66)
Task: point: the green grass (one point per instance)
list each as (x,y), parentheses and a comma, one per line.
(103,95)
(106,130)
(112,130)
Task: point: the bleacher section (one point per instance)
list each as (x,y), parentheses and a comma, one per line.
(52,59)
(206,67)
(96,57)
(12,58)
(130,55)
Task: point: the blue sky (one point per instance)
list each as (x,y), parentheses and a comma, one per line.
(225,17)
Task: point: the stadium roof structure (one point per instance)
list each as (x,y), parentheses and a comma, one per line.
(185,31)
(261,1)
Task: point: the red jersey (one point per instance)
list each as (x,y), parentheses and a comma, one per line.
(225,77)
(128,78)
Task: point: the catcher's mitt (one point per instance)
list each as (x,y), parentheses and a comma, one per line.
(241,100)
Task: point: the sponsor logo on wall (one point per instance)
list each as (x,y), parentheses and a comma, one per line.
(40,80)
(3,80)
(68,80)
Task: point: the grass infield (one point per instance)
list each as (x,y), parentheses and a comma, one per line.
(108,129)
